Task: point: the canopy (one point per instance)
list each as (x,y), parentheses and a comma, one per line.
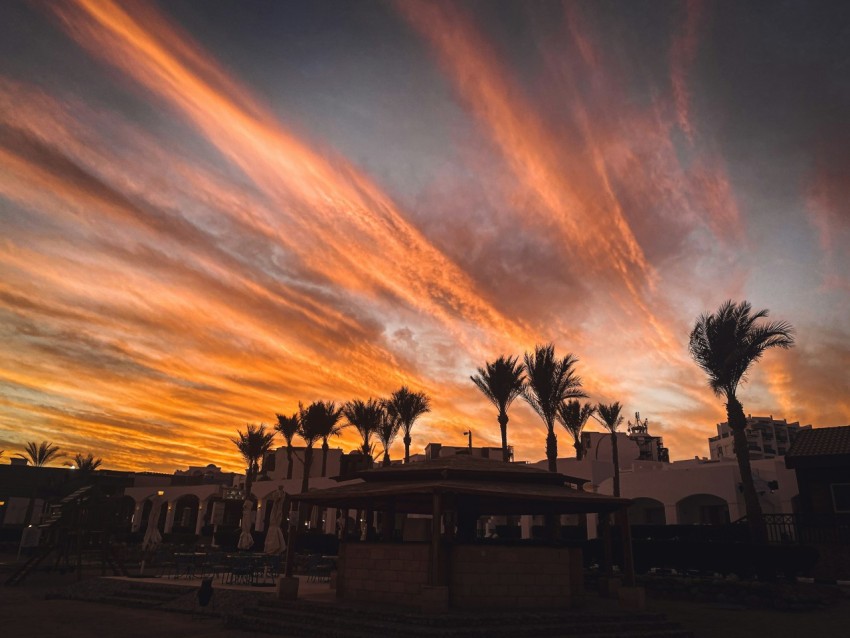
(487,486)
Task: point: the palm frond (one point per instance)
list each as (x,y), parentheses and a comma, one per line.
(726,343)
(610,414)
(501,381)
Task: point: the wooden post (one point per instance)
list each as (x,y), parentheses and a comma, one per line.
(293,535)
(437,515)
(343,528)
(605,532)
(628,555)
(388,523)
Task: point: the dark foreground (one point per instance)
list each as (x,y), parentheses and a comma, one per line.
(33,610)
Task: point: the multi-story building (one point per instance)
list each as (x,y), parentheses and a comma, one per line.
(767,438)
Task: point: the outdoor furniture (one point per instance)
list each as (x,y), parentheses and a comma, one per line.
(319,568)
(242,570)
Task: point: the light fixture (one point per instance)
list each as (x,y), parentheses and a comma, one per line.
(160,493)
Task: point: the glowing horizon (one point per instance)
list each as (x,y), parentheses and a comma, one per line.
(206,222)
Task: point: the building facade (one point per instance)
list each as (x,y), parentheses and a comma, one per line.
(767,438)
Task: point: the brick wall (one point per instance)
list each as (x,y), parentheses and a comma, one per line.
(481,577)
(382,572)
(512,577)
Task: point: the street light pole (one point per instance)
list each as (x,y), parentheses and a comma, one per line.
(469,434)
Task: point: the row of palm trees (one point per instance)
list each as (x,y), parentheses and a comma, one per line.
(321,420)
(40,454)
(725,344)
(552,388)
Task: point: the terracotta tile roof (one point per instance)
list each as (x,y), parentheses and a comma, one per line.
(819,442)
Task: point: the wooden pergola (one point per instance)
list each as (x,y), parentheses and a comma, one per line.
(470,487)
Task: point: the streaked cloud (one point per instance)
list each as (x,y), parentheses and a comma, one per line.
(181,256)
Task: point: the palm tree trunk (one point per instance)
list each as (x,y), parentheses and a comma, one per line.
(552,448)
(738,425)
(615,454)
(503,426)
(407,441)
(308,462)
(324,457)
(289,459)
(579,451)
(386,457)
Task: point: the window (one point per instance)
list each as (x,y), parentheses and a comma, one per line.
(841,497)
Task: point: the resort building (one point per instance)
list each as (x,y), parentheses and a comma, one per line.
(767,438)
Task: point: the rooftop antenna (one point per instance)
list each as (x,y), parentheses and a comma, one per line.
(638,427)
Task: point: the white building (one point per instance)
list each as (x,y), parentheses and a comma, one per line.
(767,438)
(204,496)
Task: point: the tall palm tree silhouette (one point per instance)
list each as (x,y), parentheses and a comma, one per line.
(386,433)
(725,344)
(253,445)
(551,381)
(404,407)
(288,427)
(366,417)
(501,382)
(317,421)
(611,418)
(574,415)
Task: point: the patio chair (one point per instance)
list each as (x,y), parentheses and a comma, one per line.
(319,569)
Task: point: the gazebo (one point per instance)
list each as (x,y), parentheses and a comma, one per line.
(441,562)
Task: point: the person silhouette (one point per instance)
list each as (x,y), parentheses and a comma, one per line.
(205,593)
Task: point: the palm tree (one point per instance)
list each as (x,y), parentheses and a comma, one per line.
(574,415)
(316,421)
(501,382)
(610,417)
(386,433)
(550,382)
(87,464)
(253,445)
(404,407)
(288,427)
(725,344)
(331,429)
(366,417)
(40,454)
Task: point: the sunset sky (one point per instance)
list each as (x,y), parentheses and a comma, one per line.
(210,211)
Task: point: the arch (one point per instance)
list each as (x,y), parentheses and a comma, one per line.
(647,511)
(125,510)
(702,509)
(145,514)
(186,514)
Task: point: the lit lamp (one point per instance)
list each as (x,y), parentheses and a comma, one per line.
(160,493)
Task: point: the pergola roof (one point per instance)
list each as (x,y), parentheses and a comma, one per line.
(490,487)
(464,467)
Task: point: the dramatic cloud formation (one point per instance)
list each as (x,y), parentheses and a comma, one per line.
(205,222)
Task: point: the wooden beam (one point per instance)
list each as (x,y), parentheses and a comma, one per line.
(628,554)
(436,532)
